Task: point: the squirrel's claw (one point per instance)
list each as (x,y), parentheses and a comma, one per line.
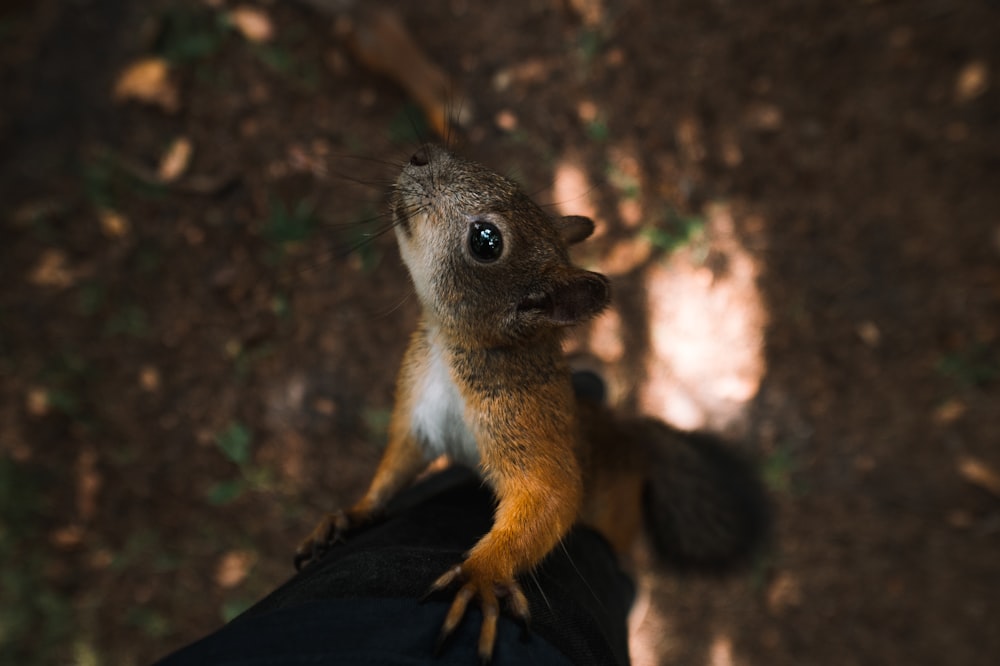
(489,591)
(327,532)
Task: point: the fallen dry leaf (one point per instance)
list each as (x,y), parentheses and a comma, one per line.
(88,483)
(52,271)
(587,111)
(972,81)
(37,401)
(148,81)
(506,120)
(591,12)
(949,412)
(67,537)
(233,567)
(252,23)
(978,473)
(149,378)
(175,160)
(113,223)
(764,117)
(869,333)
(783,593)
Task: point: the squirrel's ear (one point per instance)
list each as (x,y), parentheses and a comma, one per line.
(574,228)
(580,297)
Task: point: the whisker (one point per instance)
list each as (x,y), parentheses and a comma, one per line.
(376,185)
(357,223)
(538,585)
(578,197)
(382,315)
(562,544)
(393,164)
(368,238)
(382,222)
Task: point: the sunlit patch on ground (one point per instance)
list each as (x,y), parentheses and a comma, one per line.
(706,324)
(704,310)
(721,653)
(649,631)
(571,190)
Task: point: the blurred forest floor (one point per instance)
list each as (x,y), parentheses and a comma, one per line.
(797,203)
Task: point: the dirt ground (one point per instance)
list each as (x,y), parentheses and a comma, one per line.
(797,204)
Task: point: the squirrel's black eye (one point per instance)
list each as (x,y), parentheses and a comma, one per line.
(485,241)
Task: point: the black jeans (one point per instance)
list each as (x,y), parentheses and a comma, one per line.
(361,603)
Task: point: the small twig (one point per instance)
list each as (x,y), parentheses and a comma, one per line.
(978,473)
(380,40)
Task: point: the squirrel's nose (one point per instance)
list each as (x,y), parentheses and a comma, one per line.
(420,158)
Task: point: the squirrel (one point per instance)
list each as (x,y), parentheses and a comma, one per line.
(485,382)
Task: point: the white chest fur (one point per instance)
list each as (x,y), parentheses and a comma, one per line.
(438,417)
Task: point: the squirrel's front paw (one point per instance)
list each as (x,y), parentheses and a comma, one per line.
(327,532)
(489,589)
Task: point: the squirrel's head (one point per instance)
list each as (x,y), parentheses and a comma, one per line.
(484,258)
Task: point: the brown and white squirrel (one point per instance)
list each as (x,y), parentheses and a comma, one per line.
(485,382)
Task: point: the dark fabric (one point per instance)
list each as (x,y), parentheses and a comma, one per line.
(360,603)
(356,631)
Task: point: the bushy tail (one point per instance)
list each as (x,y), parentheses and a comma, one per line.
(704,507)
